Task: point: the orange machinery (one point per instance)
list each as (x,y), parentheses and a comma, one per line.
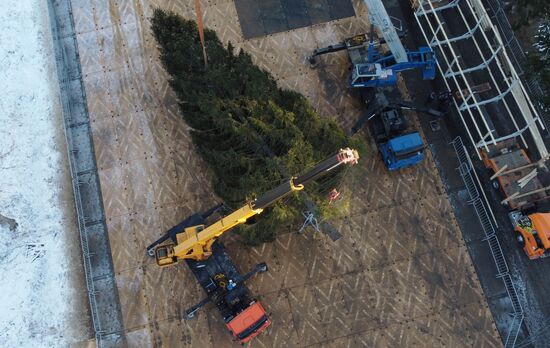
(517,177)
(532,233)
(510,165)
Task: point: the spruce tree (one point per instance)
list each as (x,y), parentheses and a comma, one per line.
(251,133)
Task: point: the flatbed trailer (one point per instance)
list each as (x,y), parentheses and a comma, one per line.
(510,164)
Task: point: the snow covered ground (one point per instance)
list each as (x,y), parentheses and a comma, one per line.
(43,302)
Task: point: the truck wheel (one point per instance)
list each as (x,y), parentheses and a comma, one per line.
(520,239)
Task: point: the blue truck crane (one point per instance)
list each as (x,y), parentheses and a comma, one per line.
(377,70)
(372,69)
(399,146)
(381,71)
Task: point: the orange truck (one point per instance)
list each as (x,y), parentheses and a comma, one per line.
(516,175)
(532,233)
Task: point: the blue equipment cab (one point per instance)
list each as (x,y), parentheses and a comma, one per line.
(381,71)
(372,69)
(402,151)
(399,146)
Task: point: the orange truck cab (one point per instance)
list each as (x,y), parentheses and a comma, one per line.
(249,323)
(532,233)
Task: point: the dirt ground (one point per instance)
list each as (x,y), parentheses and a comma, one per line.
(399,276)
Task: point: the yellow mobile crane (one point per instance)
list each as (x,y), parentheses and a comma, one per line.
(193,241)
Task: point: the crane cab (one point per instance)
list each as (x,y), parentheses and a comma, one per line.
(371,75)
(164,255)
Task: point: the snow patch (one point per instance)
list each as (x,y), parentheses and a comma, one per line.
(36,294)
(542,39)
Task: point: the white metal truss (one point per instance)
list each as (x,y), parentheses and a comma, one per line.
(461,32)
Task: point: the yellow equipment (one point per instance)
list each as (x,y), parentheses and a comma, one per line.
(195,242)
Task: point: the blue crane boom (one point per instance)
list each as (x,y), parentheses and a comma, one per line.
(379,17)
(371,68)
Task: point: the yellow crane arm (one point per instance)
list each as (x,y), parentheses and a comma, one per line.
(194,241)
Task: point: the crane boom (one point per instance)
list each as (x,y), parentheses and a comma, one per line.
(195,242)
(381,20)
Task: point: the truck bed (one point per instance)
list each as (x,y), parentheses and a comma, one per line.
(511,155)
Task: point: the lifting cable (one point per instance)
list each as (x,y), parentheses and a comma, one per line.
(198,13)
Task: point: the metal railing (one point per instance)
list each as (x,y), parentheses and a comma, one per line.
(98,272)
(538,337)
(486,218)
(512,339)
(64,78)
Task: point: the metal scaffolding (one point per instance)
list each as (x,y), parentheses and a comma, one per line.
(488,92)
